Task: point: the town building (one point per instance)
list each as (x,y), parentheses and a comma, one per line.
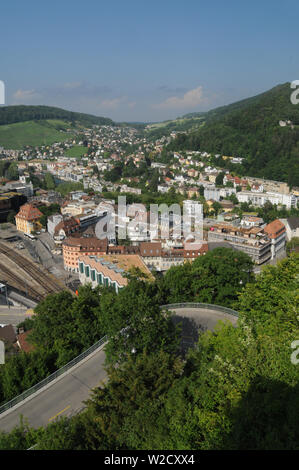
(276,231)
(65,228)
(27,219)
(10,202)
(292,227)
(74,247)
(259,199)
(110,270)
(252,241)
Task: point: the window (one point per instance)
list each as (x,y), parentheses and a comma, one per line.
(93,275)
(100,279)
(87,271)
(81,265)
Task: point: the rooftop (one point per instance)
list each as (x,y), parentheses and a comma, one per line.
(114,266)
(29,212)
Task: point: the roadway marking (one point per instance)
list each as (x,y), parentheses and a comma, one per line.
(64,409)
(12,314)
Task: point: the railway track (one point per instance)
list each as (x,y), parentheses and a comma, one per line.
(49,284)
(19,283)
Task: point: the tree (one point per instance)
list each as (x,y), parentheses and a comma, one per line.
(233,198)
(219,179)
(24,370)
(11,217)
(12,171)
(292,245)
(67,325)
(22,437)
(49,181)
(237,389)
(128,411)
(216,207)
(133,321)
(63,434)
(216,278)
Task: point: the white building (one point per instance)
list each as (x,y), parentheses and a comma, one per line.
(259,199)
(52,222)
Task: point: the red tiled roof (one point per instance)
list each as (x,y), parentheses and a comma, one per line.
(29,212)
(23,343)
(67,225)
(150,249)
(275,229)
(88,243)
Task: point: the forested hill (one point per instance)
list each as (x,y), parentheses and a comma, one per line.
(250,128)
(22,113)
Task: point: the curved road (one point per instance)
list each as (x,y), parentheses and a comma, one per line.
(62,397)
(65,395)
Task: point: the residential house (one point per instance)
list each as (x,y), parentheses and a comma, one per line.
(27,219)
(276,231)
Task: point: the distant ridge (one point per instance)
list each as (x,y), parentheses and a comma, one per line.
(22,113)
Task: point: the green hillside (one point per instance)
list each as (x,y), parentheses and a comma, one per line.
(186,123)
(76,151)
(38,125)
(33,133)
(250,128)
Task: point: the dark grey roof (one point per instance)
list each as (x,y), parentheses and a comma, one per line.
(293,222)
(8,334)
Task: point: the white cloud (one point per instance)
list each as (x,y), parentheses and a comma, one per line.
(26,96)
(113,103)
(72,85)
(190,99)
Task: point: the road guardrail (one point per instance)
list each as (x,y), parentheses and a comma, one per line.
(200,305)
(6,406)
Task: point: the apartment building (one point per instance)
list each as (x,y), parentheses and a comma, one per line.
(74,247)
(259,199)
(276,231)
(110,270)
(161,259)
(252,241)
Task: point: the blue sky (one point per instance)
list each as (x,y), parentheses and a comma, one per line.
(145,60)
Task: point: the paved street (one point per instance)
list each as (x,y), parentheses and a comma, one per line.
(65,396)
(12,315)
(62,398)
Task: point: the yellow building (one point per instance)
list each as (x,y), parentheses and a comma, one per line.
(27,219)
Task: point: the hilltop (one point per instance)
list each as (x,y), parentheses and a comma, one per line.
(251,129)
(22,113)
(41,125)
